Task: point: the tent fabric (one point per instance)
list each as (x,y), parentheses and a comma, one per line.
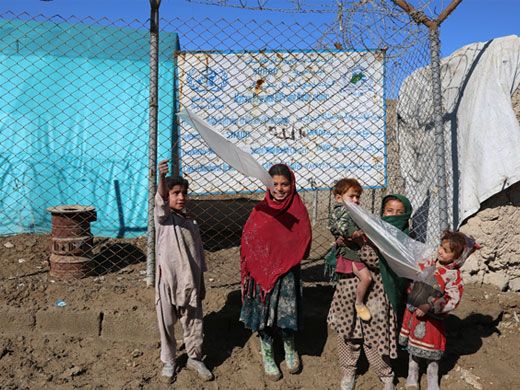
(74,123)
(480,127)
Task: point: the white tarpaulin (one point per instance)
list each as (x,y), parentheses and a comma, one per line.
(479,124)
(231,154)
(402,253)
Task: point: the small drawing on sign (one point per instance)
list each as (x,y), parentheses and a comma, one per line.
(207,80)
(357,77)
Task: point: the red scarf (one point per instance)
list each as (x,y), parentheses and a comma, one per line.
(276,237)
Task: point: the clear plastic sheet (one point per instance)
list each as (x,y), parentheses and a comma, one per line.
(227,151)
(402,253)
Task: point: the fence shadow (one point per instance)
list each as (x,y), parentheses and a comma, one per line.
(221,221)
(111,257)
(464,337)
(223,331)
(313,271)
(309,341)
(316,303)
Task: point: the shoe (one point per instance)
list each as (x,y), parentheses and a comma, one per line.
(270,368)
(412,381)
(411,384)
(200,367)
(388,382)
(348,382)
(292,360)
(363,312)
(168,372)
(432,375)
(388,386)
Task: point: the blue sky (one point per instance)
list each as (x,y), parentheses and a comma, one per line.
(472,21)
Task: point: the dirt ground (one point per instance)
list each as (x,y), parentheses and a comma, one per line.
(482,348)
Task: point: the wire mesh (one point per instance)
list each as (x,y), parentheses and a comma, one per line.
(74,125)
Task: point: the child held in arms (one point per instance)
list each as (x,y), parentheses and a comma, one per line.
(342,225)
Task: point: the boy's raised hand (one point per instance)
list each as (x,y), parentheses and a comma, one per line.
(163,167)
(163,171)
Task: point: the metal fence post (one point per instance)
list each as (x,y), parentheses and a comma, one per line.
(439,127)
(152,140)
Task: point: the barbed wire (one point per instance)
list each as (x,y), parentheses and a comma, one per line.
(303,6)
(357,23)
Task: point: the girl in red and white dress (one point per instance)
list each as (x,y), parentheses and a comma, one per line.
(423,331)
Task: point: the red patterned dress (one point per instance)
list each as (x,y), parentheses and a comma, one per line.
(425,337)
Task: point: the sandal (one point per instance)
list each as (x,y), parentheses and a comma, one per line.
(363,312)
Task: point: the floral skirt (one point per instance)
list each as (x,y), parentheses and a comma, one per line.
(282,307)
(424,337)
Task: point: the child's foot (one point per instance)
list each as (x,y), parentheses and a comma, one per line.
(363,312)
(292,359)
(270,368)
(432,374)
(168,372)
(412,381)
(348,382)
(388,386)
(388,383)
(200,367)
(411,384)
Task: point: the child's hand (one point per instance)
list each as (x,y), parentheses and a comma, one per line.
(359,237)
(422,310)
(342,241)
(163,167)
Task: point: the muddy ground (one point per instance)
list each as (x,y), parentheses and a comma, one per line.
(112,340)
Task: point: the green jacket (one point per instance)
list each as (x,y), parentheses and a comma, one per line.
(341,224)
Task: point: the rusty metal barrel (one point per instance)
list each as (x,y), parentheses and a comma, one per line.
(71,241)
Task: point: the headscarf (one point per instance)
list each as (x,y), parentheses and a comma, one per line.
(470,247)
(394,285)
(399,221)
(276,237)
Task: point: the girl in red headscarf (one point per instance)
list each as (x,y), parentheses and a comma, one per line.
(276,237)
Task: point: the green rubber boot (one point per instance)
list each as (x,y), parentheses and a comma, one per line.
(292,360)
(271,369)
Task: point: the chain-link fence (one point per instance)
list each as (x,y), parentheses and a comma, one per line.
(74,125)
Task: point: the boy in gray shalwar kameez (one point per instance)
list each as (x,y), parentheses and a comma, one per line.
(180,267)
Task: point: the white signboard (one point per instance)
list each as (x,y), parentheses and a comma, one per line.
(321,113)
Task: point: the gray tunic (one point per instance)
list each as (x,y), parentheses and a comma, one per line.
(180,261)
